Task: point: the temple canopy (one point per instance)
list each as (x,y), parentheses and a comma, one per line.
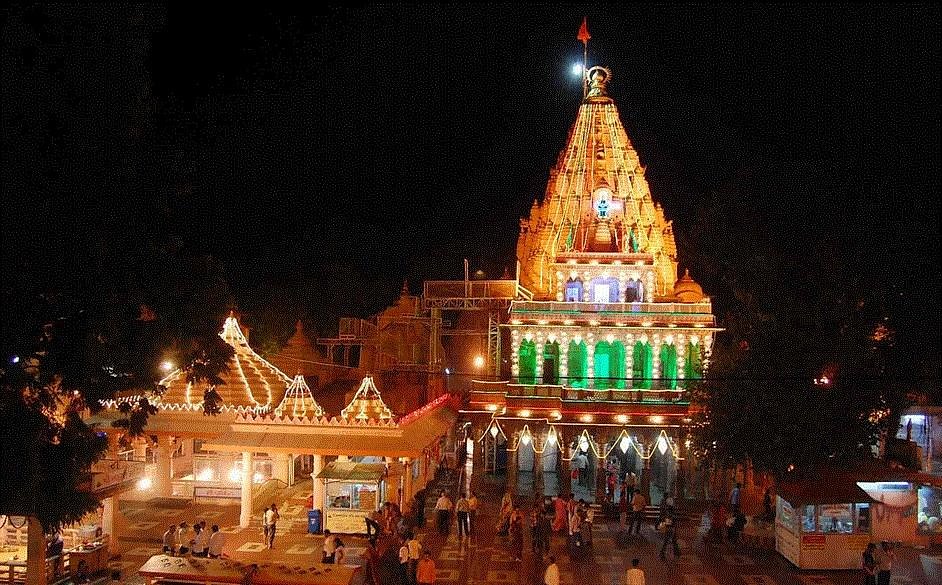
(249,382)
(299,401)
(367,404)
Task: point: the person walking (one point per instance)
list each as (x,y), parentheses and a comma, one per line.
(551,575)
(887,560)
(443,509)
(638,502)
(634,576)
(472,511)
(560,516)
(669,526)
(868,565)
(516,533)
(265,524)
(425,574)
(462,508)
(272,522)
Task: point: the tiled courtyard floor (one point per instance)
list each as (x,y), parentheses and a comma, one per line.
(483,558)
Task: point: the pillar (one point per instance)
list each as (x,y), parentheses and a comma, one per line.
(513,462)
(245,511)
(109,522)
(317,465)
(162,469)
(406,481)
(291,469)
(645,479)
(477,453)
(565,471)
(538,465)
(600,487)
(35,552)
(280,467)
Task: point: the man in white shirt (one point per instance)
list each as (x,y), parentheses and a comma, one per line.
(201,542)
(271,524)
(551,576)
(443,509)
(217,540)
(635,576)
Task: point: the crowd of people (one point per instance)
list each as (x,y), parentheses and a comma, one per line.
(198,541)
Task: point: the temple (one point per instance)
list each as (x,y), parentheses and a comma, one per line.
(604,339)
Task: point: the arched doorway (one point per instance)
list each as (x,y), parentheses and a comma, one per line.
(578,364)
(669,366)
(551,363)
(642,369)
(527,362)
(663,466)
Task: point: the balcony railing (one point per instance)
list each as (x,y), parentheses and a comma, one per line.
(691,312)
(110,473)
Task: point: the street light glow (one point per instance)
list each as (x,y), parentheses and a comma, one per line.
(479,362)
(577,69)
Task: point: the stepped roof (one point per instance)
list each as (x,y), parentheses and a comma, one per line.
(299,401)
(250,382)
(367,404)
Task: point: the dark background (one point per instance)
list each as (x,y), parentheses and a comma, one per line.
(325,157)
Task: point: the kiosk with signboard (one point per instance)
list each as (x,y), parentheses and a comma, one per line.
(352,491)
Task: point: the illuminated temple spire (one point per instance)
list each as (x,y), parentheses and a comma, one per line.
(299,401)
(597,202)
(367,404)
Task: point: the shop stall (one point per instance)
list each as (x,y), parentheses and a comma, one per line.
(352,491)
(823,523)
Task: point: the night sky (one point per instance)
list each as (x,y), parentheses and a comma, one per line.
(325,157)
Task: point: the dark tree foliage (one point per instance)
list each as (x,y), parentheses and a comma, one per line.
(825,342)
(97,289)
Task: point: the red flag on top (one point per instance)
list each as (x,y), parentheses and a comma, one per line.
(584,35)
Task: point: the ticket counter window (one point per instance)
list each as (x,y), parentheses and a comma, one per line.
(862,511)
(807,518)
(836,519)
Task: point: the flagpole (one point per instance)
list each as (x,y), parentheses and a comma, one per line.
(585,60)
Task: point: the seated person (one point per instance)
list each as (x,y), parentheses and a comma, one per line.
(54,549)
(217,540)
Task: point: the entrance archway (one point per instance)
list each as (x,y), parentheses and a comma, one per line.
(551,363)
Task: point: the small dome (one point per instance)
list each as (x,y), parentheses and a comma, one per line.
(686,290)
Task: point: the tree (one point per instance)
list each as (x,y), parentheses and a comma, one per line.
(817,360)
(96,289)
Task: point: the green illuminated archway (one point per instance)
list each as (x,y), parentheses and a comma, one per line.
(578,364)
(609,365)
(527,362)
(642,368)
(551,363)
(669,366)
(692,363)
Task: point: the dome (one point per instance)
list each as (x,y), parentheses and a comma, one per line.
(686,290)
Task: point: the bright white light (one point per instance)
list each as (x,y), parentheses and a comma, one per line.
(478,362)
(166,366)
(447,371)
(662,444)
(235,474)
(15,359)
(624,444)
(494,431)
(584,444)
(577,69)
(525,439)
(206,474)
(551,439)
(144,483)
(258,477)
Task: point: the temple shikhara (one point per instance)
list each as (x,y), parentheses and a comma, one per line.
(604,338)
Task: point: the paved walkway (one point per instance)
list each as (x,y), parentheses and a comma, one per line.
(482,558)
